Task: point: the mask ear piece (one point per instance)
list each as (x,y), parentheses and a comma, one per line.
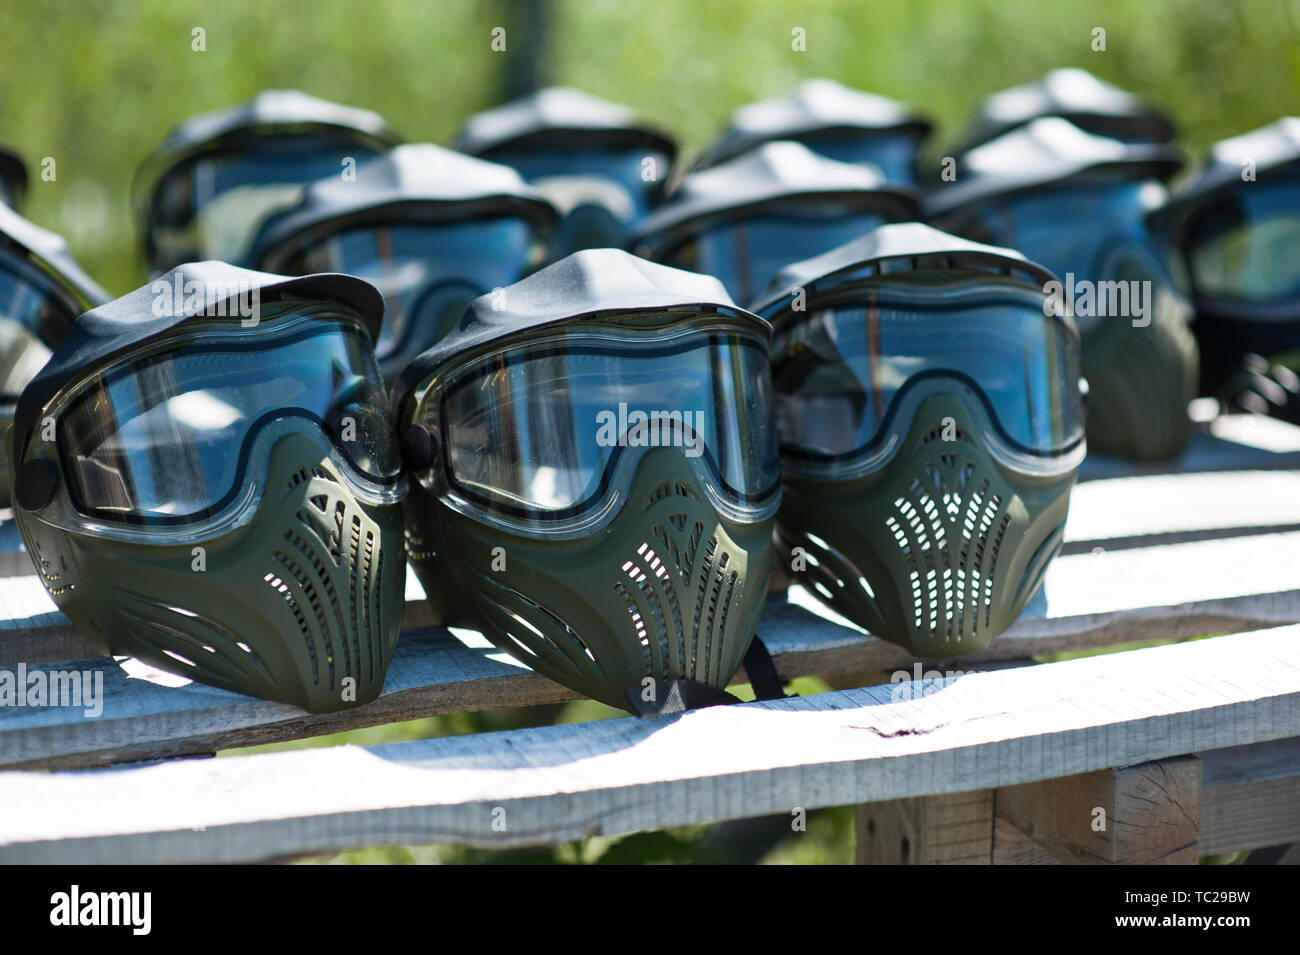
(36,483)
(418,447)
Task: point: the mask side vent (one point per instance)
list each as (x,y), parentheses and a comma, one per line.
(638,624)
(195,641)
(312,581)
(363,557)
(50,577)
(993,566)
(417,548)
(701,596)
(282,586)
(545,642)
(658,590)
(324,583)
(724,587)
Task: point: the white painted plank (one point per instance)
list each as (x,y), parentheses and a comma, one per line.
(1120,509)
(1228,443)
(1088,601)
(971,732)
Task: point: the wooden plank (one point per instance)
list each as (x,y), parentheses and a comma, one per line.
(1169,592)
(556,783)
(1137,815)
(1149,509)
(1251,797)
(950,829)
(1013,847)
(1228,443)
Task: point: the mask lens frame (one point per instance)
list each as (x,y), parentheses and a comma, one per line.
(165,439)
(545,435)
(854,357)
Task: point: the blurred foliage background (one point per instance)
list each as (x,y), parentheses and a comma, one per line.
(96,86)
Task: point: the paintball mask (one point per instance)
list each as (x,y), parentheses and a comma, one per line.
(208,483)
(42,289)
(13,178)
(431,228)
(834,120)
(929,416)
(600,167)
(1083,205)
(203,193)
(779,202)
(1240,233)
(1072,94)
(595,476)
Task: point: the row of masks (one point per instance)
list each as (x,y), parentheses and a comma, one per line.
(597,467)
(415,220)
(1068,170)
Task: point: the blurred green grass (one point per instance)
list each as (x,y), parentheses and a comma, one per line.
(96,86)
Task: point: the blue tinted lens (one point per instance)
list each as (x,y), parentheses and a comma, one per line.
(746,254)
(538,431)
(893,153)
(1247,246)
(405,262)
(623,180)
(212,205)
(28,299)
(33,320)
(1068,229)
(837,371)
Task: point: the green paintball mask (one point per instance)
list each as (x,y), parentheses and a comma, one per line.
(602,167)
(780,202)
(42,290)
(1084,206)
(430,228)
(837,121)
(205,191)
(208,483)
(596,477)
(1238,222)
(1072,94)
(931,429)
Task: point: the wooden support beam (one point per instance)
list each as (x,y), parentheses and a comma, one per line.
(1138,815)
(950,829)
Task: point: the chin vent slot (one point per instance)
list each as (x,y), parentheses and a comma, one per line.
(667,489)
(955,435)
(305,474)
(948,529)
